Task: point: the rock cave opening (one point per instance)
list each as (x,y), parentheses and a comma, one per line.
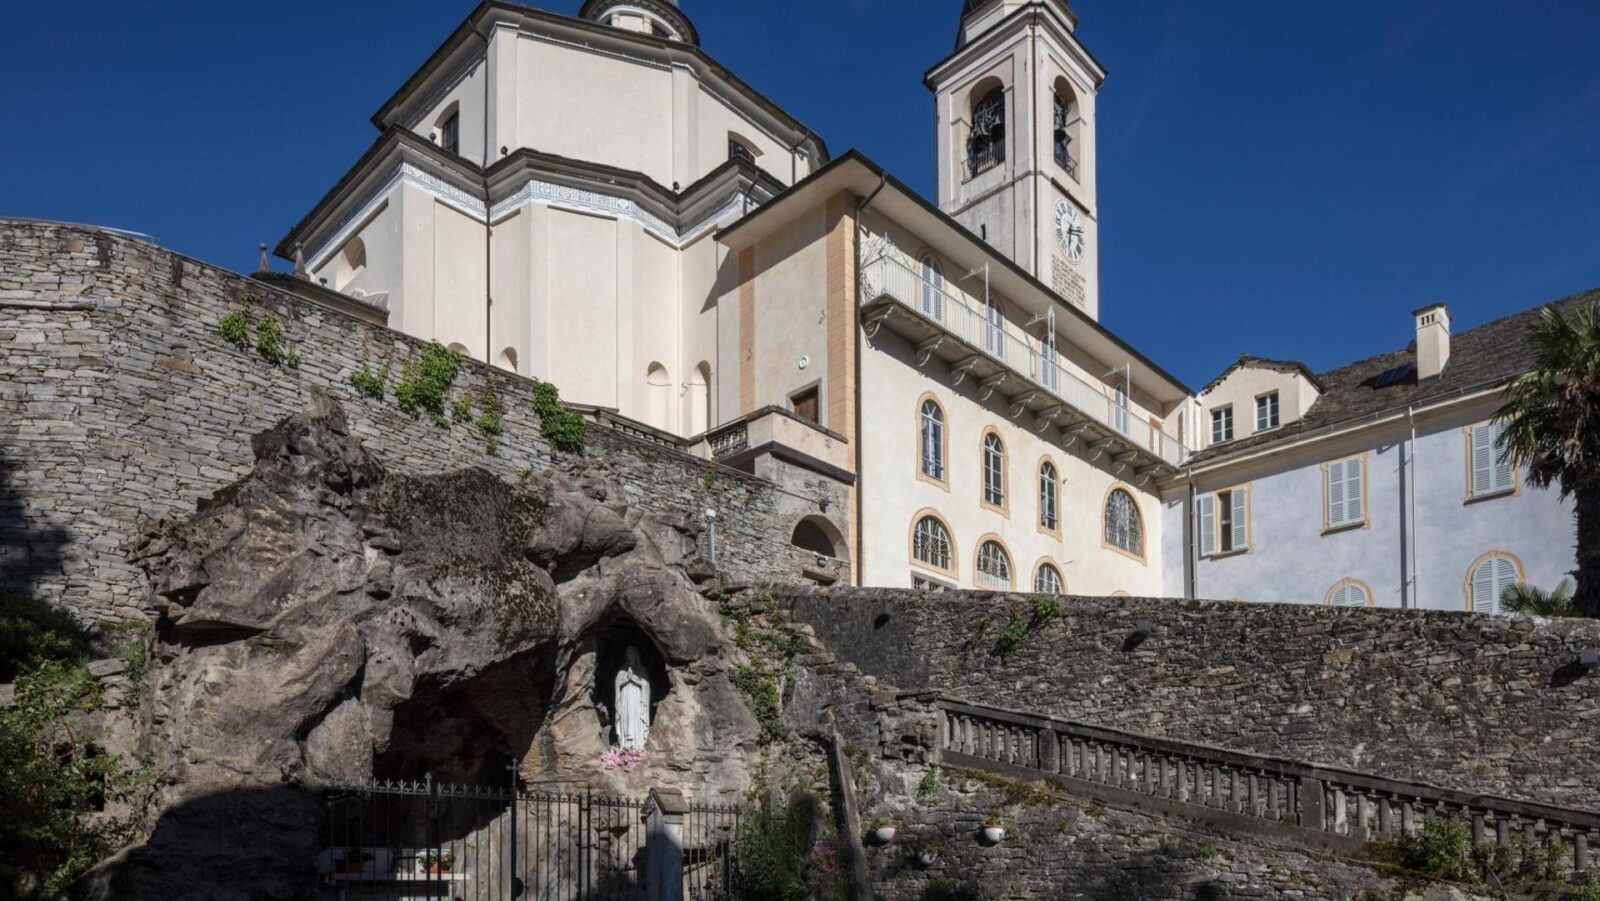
(474,731)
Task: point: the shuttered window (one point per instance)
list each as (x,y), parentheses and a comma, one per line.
(932,290)
(1349,594)
(932,420)
(1346,498)
(994,471)
(1224,522)
(1489,475)
(1489,581)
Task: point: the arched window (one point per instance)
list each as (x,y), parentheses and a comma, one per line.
(1067,119)
(994,470)
(1049,498)
(738,150)
(994,567)
(812,535)
(508,359)
(932,289)
(1349,593)
(930,544)
(986,144)
(932,420)
(700,399)
(1048,580)
(658,398)
(994,328)
(1124,529)
(1488,580)
(459,349)
(352,262)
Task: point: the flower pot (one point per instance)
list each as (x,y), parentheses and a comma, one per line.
(994,834)
(884,834)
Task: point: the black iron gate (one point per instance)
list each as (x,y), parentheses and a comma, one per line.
(403,840)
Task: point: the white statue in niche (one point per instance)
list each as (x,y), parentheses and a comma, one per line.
(632,703)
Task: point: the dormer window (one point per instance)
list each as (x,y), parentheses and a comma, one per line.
(986,145)
(450,134)
(1221,425)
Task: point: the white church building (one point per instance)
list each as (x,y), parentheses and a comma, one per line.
(597,202)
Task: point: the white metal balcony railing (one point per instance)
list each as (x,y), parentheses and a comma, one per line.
(970,320)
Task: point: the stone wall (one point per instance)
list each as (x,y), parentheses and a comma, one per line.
(123,404)
(1058,846)
(1475,703)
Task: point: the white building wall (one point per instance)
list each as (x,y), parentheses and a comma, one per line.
(1293,558)
(893,387)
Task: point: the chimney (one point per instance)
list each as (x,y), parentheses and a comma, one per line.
(1433,340)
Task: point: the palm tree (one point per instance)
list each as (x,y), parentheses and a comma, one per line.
(1552,416)
(1525,600)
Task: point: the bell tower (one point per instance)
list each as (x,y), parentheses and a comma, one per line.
(1015,121)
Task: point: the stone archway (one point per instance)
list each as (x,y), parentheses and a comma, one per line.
(818,535)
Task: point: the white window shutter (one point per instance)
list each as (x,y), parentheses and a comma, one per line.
(1335,490)
(1353,500)
(1208,524)
(1501,477)
(1241,530)
(1482,459)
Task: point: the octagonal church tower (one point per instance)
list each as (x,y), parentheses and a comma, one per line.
(544,193)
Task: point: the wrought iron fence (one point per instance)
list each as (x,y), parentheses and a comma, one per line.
(404,840)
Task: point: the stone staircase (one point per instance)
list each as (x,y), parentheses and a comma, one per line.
(1316,808)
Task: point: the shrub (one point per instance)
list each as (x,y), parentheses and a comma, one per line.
(775,850)
(33,632)
(561,427)
(269,339)
(763,695)
(234,328)
(425,378)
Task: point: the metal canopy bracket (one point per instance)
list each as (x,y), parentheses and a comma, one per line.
(1072,437)
(925,349)
(1048,416)
(1020,403)
(961,368)
(991,383)
(876,319)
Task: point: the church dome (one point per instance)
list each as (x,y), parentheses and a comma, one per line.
(661,18)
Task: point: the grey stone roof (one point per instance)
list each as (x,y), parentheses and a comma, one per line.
(1479,357)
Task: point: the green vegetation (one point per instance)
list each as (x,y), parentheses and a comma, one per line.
(1040,610)
(1442,850)
(928,784)
(561,427)
(424,380)
(1526,600)
(1178,849)
(1552,420)
(489,415)
(764,696)
(234,328)
(461,410)
(369,383)
(788,854)
(771,646)
(269,338)
(54,778)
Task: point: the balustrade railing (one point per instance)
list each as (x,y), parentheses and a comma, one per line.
(1349,805)
(1036,363)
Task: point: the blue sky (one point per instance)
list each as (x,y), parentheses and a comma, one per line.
(1284,179)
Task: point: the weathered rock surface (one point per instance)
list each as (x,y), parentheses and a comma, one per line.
(325,619)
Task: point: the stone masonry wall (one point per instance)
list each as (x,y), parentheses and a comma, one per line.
(122,404)
(1475,703)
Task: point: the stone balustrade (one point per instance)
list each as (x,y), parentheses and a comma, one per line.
(1323,807)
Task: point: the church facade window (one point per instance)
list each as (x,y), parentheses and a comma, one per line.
(1124,527)
(450,134)
(737,150)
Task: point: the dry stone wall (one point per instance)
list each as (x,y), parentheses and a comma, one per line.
(123,404)
(1479,704)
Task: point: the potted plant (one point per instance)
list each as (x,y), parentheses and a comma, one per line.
(882,830)
(927,853)
(355,860)
(436,863)
(994,828)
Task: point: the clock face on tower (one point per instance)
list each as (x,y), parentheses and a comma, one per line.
(1069,230)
